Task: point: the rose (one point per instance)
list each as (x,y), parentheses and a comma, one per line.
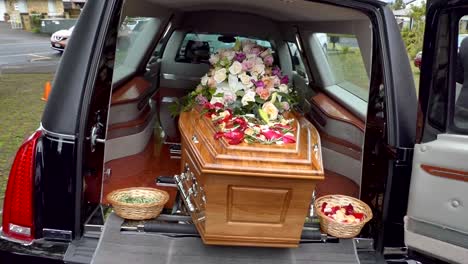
(217,99)
(256,50)
(271,110)
(285,79)
(258,69)
(265,53)
(211,82)
(247,65)
(283,88)
(268,82)
(249,96)
(245,80)
(285,106)
(268,60)
(229,54)
(263,93)
(214,58)
(201,100)
(229,97)
(240,56)
(204,80)
(220,75)
(235,68)
(276,71)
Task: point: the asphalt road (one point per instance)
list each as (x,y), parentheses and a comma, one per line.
(24,51)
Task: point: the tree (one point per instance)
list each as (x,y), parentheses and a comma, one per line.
(397,5)
(413,36)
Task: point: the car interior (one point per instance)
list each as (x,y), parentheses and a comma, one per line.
(325,50)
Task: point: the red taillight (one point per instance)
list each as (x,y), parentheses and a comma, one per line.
(18,207)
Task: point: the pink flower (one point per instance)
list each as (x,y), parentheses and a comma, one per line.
(285,106)
(284,79)
(270,134)
(289,139)
(263,92)
(229,97)
(247,65)
(201,100)
(268,60)
(256,50)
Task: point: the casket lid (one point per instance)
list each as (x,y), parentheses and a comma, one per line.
(302,159)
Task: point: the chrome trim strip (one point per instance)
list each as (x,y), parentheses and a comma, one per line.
(169,76)
(57,136)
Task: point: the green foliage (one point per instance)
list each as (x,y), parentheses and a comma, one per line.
(413,37)
(345,49)
(397,5)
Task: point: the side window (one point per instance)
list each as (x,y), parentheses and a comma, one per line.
(297,63)
(197,47)
(345,61)
(134,38)
(460,113)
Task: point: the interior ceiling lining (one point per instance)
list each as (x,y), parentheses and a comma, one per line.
(278,10)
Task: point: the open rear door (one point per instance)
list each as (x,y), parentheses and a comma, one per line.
(436,224)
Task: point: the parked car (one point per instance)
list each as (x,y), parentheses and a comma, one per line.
(107,125)
(59,40)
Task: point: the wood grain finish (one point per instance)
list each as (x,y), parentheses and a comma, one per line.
(131,91)
(446,173)
(257,195)
(335,111)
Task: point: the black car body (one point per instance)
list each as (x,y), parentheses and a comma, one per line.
(68,163)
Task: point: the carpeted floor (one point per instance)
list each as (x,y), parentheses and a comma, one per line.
(119,247)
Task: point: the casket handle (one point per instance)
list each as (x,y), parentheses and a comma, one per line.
(195,139)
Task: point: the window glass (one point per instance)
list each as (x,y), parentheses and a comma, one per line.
(460,115)
(297,63)
(134,38)
(197,47)
(345,62)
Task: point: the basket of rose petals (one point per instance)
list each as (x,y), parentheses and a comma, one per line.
(342,216)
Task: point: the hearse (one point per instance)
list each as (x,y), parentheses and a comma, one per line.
(108,125)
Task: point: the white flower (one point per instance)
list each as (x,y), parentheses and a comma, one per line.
(258,69)
(283,88)
(235,68)
(246,80)
(214,58)
(217,99)
(229,54)
(204,80)
(234,83)
(271,110)
(249,96)
(220,75)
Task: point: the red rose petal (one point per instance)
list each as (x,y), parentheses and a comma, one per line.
(289,139)
(359,216)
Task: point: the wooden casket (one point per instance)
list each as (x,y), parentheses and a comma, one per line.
(248,194)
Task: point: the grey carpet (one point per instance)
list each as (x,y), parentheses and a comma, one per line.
(124,247)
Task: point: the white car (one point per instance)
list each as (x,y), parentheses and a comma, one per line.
(59,39)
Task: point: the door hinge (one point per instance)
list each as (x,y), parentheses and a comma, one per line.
(402,156)
(97,131)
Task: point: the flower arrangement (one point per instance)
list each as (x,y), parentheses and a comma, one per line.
(342,214)
(246,96)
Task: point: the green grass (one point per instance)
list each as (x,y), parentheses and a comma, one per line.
(20,114)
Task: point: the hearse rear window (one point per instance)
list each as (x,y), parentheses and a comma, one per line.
(196,47)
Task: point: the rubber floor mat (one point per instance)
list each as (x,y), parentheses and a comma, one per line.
(132,247)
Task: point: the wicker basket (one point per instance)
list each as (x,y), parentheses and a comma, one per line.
(337,229)
(137,211)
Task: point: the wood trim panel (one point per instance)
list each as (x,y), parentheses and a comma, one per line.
(446,173)
(335,111)
(131,91)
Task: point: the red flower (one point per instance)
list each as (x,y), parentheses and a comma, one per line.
(234,137)
(324,204)
(208,106)
(218,105)
(271,134)
(241,122)
(289,139)
(359,216)
(335,209)
(218,135)
(349,209)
